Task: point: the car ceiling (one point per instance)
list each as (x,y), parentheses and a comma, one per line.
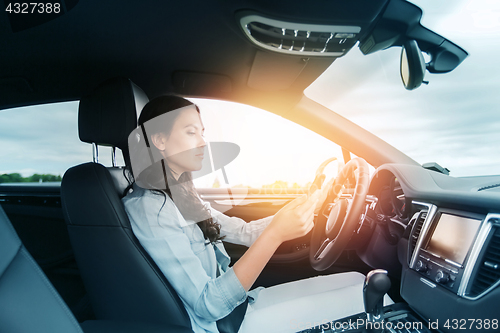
(193,48)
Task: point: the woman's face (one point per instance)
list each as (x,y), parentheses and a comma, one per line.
(184,148)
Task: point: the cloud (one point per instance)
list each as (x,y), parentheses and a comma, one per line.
(453,121)
(41,139)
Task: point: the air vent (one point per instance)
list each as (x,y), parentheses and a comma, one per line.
(298,38)
(489,269)
(417,228)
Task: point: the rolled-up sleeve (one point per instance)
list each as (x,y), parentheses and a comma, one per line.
(229,288)
(162,232)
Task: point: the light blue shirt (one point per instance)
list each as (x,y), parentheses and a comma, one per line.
(178,248)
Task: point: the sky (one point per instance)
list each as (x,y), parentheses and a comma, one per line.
(44,139)
(453,121)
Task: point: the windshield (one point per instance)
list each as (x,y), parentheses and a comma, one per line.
(454,120)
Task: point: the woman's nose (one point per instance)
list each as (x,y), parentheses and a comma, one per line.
(201,141)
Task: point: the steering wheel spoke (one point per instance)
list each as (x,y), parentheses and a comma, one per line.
(319,254)
(340,218)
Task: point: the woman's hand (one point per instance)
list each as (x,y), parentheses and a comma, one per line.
(292,221)
(295,219)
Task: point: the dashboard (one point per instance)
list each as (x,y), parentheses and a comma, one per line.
(445,234)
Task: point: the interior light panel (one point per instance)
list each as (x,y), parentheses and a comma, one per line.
(298,38)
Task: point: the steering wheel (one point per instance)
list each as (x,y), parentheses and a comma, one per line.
(332,233)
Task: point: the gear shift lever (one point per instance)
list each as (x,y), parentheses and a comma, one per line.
(377,283)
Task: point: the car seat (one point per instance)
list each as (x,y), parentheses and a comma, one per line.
(122,281)
(28,301)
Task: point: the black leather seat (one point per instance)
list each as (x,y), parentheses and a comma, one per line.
(122,281)
(28,301)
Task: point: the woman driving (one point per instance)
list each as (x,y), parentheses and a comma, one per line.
(183,234)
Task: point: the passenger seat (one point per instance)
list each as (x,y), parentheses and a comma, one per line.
(28,301)
(30,304)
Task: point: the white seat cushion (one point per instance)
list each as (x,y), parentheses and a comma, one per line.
(295,306)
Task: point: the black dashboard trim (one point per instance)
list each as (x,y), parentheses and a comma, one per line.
(487,228)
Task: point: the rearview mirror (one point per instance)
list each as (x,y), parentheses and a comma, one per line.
(412,65)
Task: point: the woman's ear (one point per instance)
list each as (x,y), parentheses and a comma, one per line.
(159,141)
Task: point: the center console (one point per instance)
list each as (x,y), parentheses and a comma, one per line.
(444,247)
(451,274)
(450,277)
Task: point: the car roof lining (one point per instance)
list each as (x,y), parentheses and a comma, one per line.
(195,49)
(148,41)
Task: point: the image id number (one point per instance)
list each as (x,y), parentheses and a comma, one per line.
(33,7)
(467,324)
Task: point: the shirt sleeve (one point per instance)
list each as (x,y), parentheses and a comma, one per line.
(236,230)
(162,233)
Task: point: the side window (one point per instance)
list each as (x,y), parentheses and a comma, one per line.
(274,152)
(39,143)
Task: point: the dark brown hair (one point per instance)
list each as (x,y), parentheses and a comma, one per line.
(190,205)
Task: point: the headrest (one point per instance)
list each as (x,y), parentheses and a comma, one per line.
(109,113)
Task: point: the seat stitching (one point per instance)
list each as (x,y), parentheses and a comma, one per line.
(10,263)
(63,305)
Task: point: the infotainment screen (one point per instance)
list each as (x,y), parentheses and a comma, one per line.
(453,237)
